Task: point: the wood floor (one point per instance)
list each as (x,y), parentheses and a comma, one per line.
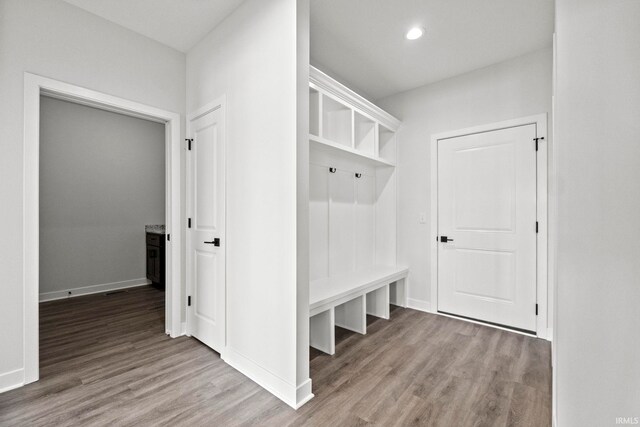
(106,361)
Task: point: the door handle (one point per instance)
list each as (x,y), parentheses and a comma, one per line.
(445,239)
(214,242)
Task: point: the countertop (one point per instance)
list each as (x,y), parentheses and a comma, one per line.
(155,229)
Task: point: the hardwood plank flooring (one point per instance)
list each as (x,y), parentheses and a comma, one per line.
(105,360)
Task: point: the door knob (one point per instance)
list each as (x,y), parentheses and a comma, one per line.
(445,239)
(214,242)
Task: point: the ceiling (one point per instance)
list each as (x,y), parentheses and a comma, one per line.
(176,23)
(362,44)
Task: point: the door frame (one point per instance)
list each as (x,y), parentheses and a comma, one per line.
(542,282)
(219,103)
(36,86)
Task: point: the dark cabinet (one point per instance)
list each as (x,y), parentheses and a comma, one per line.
(155,259)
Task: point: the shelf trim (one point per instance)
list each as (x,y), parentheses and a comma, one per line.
(320,81)
(336,146)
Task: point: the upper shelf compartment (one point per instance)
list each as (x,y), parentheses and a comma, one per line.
(345,124)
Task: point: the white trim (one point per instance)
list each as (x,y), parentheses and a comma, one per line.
(34,87)
(218,103)
(303,393)
(12,379)
(93,289)
(419,305)
(271,382)
(542,284)
(339,92)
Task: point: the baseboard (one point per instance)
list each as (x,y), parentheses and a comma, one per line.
(11,380)
(303,393)
(183,328)
(275,385)
(420,305)
(93,289)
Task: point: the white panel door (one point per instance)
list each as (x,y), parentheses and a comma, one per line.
(487,211)
(206,232)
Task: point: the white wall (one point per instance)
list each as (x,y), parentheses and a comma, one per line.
(598,171)
(254,59)
(515,88)
(57,40)
(102,178)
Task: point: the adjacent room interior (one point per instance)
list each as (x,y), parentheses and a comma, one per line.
(318,212)
(101,233)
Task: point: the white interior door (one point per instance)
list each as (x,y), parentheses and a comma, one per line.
(487,212)
(206,229)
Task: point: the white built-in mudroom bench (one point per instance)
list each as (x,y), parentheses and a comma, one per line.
(352,212)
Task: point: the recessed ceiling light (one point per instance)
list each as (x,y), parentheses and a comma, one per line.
(414,33)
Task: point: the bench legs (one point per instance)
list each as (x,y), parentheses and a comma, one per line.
(398,293)
(378,302)
(322,331)
(352,315)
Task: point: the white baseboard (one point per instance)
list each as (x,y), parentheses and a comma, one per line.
(303,393)
(93,289)
(275,385)
(419,305)
(11,380)
(183,328)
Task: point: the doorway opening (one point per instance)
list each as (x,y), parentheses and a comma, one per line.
(35,88)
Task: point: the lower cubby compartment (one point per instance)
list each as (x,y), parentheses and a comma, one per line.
(378,302)
(322,331)
(352,315)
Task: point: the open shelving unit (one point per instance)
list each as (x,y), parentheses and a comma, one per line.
(352,212)
(343,120)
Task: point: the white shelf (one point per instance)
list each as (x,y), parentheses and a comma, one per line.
(364,134)
(329,292)
(334,147)
(337,121)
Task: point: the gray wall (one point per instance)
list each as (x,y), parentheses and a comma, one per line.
(516,88)
(102,178)
(597,338)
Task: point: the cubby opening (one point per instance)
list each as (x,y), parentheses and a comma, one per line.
(337,122)
(314,112)
(364,130)
(387,144)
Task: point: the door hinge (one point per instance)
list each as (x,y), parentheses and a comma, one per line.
(169,237)
(189,223)
(189,141)
(536,308)
(538,139)
(536,226)
(189,301)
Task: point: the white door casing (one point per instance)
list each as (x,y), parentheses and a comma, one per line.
(487,205)
(206,287)
(34,87)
